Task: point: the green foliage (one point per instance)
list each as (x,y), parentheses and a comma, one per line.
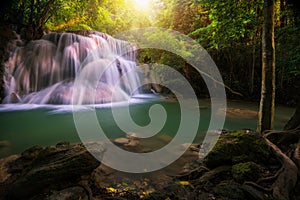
(288,63)
(105,16)
(181,15)
(231,21)
(29,12)
(69,15)
(288,50)
(165,39)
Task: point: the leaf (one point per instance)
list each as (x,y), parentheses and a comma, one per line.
(111,190)
(184,183)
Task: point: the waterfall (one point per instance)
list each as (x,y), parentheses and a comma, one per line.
(44,71)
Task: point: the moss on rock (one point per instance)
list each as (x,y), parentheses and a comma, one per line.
(238,146)
(248,171)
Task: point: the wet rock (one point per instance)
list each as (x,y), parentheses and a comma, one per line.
(132,143)
(42,169)
(4,168)
(121,141)
(131,136)
(128,142)
(191,147)
(62,145)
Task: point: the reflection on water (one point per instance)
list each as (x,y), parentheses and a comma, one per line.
(23,126)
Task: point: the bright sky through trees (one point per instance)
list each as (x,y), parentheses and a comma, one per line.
(143,5)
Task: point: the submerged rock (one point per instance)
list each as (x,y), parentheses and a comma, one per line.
(121,141)
(129,141)
(4,143)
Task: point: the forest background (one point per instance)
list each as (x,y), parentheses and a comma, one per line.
(230,30)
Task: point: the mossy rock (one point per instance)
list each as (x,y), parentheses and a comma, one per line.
(42,169)
(248,171)
(238,146)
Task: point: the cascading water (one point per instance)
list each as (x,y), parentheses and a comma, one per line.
(44,71)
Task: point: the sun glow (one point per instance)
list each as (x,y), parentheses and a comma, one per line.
(143,5)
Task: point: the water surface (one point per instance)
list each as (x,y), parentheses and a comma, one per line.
(23,126)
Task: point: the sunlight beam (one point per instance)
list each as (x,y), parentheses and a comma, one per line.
(143,5)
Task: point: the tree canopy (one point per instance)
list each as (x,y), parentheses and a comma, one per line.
(229,29)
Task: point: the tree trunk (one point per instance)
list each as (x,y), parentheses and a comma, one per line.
(283,16)
(252,67)
(267,101)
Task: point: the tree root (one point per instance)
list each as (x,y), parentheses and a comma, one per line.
(296,156)
(213,174)
(269,178)
(87,189)
(287,178)
(193,174)
(253,192)
(283,137)
(255,185)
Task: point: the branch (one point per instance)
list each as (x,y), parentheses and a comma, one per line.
(219,82)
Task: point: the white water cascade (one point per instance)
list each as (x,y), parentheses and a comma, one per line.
(44,71)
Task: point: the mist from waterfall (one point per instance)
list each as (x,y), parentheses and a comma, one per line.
(44,71)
